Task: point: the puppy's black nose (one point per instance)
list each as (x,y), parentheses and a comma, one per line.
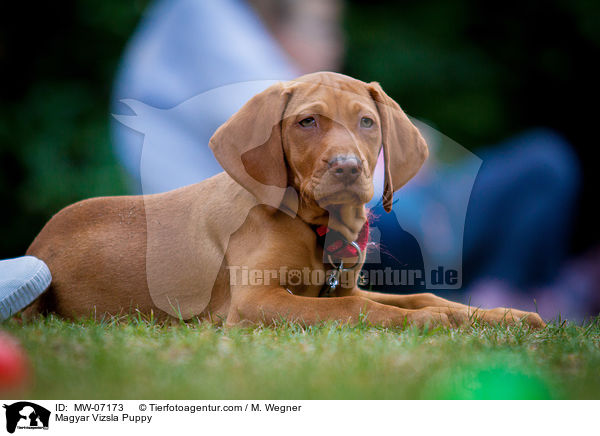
(345,168)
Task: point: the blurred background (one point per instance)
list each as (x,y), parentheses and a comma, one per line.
(479,72)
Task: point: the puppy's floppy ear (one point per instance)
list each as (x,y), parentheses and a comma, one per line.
(249,146)
(404,149)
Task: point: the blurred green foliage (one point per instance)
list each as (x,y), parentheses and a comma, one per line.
(481,71)
(57,62)
(477,71)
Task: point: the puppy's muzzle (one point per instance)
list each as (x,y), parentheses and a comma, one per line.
(346,169)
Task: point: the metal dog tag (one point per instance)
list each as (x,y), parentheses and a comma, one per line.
(333,280)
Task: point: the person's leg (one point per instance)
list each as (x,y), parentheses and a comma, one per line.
(517,223)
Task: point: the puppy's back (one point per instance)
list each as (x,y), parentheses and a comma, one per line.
(158,253)
(95,250)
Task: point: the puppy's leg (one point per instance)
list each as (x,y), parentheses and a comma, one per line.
(453,310)
(269,305)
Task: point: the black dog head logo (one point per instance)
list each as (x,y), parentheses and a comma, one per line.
(26,414)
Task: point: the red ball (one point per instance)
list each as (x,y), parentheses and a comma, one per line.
(13,363)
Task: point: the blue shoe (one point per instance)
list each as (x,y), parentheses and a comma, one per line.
(22,280)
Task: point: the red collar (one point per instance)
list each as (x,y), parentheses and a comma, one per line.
(335,244)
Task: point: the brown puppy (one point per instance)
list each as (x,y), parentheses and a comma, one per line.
(298,155)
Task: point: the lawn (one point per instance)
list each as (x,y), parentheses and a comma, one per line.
(132,358)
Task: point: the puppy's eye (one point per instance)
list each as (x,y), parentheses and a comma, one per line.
(366,122)
(307,122)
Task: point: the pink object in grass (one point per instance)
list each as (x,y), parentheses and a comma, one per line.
(14,366)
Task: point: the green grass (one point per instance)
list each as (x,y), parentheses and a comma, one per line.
(134,358)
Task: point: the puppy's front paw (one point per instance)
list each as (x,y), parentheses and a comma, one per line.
(428,318)
(456,317)
(511,317)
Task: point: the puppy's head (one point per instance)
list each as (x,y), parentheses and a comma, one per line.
(320,134)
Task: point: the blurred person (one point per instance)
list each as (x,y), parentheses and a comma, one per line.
(183,48)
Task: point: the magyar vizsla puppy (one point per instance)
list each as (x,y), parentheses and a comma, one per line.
(270,238)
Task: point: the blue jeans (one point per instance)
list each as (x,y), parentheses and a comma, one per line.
(518,219)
